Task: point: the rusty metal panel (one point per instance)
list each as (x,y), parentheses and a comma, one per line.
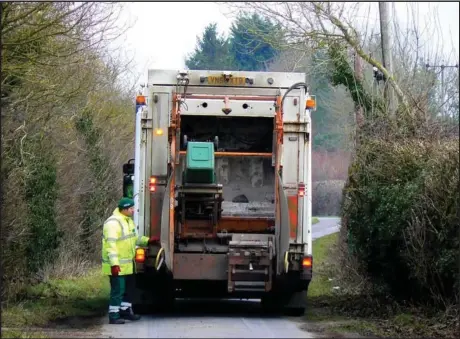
(261,259)
(240,224)
(204,229)
(250,262)
(197,228)
(194,266)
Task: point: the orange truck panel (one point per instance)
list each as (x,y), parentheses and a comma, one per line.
(293,204)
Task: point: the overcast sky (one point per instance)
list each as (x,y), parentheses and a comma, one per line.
(164,33)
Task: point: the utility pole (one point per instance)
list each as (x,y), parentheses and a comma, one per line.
(386,36)
(359,110)
(443,94)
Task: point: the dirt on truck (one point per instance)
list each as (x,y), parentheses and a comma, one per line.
(222,174)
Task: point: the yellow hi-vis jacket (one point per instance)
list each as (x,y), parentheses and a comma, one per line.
(119,243)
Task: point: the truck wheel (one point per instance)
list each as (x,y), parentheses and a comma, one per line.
(164,295)
(271,304)
(166,302)
(294,311)
(296,304)
(142,308)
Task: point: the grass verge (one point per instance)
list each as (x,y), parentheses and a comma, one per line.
(84,297)
(314,220)
(338,314)
(320,284)
(16,334)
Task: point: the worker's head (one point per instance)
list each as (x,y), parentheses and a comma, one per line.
(126,206)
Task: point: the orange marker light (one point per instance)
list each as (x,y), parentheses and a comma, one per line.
(307,262)
(140,255)
(310,104)
(140,100)
(158,131)
(152,184)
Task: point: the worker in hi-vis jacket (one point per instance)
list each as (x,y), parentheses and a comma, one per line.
(119,243)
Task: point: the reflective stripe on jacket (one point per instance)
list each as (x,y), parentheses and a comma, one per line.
(119,243)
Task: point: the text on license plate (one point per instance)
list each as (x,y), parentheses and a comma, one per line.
(220,80)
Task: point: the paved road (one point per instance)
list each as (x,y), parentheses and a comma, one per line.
(218,319)
(326,226)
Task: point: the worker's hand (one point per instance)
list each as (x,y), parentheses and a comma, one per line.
(115,270)
(154,240)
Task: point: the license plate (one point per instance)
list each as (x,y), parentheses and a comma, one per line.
(220,80)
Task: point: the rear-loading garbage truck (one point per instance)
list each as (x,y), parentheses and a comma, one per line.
(222,175)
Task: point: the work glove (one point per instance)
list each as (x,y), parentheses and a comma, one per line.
(115,270)
(154,240)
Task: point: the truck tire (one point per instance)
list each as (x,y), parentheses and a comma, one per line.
(164,295)
(142,308)
(271,304)
(290,304)
(296,304)
(166,302)
(295,311)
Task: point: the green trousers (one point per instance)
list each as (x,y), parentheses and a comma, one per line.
(121,288)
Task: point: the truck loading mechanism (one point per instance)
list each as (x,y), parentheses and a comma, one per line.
(222,175)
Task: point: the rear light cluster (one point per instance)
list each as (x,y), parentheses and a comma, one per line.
(301,189)
(307,262)
(140,255)
(152,184)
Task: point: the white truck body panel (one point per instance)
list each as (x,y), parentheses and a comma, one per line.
(152,151)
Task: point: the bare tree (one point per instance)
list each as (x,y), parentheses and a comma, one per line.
(312,25)
(58,73)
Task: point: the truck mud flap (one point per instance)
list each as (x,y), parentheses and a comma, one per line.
(282,228)
(164,237)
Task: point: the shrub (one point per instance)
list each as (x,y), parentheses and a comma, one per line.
(40,196)
(399,213)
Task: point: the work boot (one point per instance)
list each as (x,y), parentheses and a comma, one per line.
(128,314)
(118,321)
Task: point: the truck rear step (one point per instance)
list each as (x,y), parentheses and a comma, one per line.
(250,262)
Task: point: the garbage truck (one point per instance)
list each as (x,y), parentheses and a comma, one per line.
(222,176)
